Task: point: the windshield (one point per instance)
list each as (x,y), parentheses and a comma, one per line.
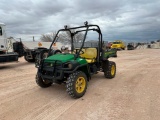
(116,42)
(75,38)
(65,38)
(91,40)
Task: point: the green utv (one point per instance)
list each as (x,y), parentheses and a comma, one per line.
(75,68)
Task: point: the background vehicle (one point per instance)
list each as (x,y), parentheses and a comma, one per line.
(5,56)
(30,50)
(130,46)
(76,68)
(118,44)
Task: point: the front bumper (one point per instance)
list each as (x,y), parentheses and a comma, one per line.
(57,71)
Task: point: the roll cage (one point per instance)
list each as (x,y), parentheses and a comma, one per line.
(85,29)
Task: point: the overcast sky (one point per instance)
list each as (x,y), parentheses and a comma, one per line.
(128,20)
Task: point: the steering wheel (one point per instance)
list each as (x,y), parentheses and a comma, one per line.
(81,51)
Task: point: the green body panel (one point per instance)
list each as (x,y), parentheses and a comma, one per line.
(109,53)
(60,57)
(81,61)
(65,58)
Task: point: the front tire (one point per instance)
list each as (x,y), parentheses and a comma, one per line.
(76,84)
(109,69)
(42,83)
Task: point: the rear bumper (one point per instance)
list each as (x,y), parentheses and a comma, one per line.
(8,57)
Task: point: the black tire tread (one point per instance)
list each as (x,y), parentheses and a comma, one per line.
(107,69)
(41,83)
(29,60)
(71,83)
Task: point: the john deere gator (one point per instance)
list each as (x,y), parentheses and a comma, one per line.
(75,69)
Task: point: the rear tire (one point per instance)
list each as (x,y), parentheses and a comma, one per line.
(109,69)
(42,83)
(29,60)
(115,55)
(76,84)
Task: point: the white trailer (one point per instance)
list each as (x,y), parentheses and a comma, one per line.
(5,56)
(30,50)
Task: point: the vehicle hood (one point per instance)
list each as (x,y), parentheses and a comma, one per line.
(116,44)
(60,57)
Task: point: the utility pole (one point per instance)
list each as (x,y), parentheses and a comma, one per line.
(33,39)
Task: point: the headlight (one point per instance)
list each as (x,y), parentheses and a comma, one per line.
(51,64)
(70,66)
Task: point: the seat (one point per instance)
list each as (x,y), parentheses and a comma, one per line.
(90,54)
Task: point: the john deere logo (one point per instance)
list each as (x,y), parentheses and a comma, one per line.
(39,44)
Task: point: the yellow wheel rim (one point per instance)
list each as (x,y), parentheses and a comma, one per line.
(80,84)
(113,70)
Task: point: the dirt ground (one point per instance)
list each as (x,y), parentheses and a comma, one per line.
(134,94)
